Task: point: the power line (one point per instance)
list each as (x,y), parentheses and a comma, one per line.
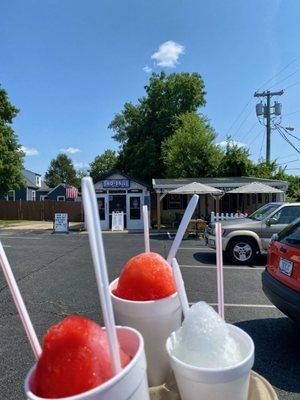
(284,79)
(286,139)
(279,72)
(293,84)
(288,162)
(294,112)
(239,115)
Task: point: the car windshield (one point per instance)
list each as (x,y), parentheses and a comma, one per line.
(263,212)
(291,234)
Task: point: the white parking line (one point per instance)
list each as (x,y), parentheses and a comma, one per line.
(20,237)
(243,305)
(244,268)
(198,248)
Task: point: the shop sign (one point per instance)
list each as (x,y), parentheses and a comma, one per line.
(61,223)
(117,221)
(116,183)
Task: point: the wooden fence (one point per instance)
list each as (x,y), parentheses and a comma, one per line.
(40,210)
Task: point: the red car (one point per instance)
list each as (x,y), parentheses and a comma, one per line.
(281,278)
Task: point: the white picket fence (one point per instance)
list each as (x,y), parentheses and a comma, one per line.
(224,217)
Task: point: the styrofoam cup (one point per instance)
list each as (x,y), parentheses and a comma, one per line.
(155,320)
(230,383)
(130,384)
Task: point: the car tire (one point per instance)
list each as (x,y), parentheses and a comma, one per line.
(242,250)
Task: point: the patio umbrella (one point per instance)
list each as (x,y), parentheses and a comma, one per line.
(255,187)
(197,188)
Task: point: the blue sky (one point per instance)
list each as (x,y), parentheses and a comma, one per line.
(70,65)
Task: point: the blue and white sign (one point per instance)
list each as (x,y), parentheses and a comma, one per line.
(116,183)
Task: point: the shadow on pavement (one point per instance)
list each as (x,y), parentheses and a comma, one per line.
(209,258)
(277,351)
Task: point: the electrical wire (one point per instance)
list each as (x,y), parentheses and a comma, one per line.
(292,85)
(239,115)
(282,134)
(284,79)
(279,72)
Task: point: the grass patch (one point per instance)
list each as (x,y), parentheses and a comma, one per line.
(4,222)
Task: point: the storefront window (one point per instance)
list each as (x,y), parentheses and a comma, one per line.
(174,202)
(135,208)
(101,206)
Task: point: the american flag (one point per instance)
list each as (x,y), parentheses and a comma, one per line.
(71,192)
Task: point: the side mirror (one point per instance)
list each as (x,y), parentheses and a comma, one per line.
(271,221)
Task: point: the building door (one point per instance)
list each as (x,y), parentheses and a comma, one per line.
(117,203)
(134,211)
(103,211)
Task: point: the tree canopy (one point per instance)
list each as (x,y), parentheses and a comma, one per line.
(235,160)
(61,170)
(190,151)
(103,163)
(11,156)
(140,129)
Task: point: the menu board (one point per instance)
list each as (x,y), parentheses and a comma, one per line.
(117,223)
(61,223)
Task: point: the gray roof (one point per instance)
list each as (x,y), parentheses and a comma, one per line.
(167,184)
(196,188)
(255,187)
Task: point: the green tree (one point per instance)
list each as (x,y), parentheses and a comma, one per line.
(61,170)
(103,163)
(140,129)
(190,152)
(11,156)
(235,161)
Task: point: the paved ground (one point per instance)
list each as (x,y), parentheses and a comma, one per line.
(56,279)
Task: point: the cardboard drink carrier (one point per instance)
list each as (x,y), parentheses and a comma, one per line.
(259,389)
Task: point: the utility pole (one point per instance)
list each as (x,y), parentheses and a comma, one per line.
(265,111)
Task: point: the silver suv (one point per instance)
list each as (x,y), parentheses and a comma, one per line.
(245,238)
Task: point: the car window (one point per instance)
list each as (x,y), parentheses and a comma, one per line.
(291,235)
(286,215)
(263,212)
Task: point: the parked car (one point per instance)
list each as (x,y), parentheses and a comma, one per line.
(245,238)
(281,278)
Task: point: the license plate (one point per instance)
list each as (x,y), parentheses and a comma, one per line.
(285,266)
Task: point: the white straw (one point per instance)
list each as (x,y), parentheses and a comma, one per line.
(180,287)
(182,227)
(146,229)
(97,249)
(220,279)
(15,292)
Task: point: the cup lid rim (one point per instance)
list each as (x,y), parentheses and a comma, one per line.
(164,299)
(213,370)
(104,385)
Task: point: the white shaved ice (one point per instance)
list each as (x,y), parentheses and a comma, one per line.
(204,339)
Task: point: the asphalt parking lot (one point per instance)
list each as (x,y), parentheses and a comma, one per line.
(56,279)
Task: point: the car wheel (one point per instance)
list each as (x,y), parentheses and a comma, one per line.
(242,250)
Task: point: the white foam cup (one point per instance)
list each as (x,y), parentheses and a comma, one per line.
(130,384)
(230,383)
(155,320)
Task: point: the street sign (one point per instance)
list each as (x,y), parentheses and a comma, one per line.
(117,223)
(61,223)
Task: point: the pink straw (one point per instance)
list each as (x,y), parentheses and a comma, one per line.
(15,292)
(219,254)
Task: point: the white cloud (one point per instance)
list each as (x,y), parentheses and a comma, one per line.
(70,150)
(80,165)
(147,69)
(231,143)
(30,151)
(168,54)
